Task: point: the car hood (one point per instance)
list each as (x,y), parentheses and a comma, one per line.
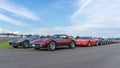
(40,40)
(82,40)
(14,40)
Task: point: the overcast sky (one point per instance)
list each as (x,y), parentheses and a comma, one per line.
(72,17)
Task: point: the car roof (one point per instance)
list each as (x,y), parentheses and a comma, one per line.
(87,36)
(60,34)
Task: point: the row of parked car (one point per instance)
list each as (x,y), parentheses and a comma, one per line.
(58,40)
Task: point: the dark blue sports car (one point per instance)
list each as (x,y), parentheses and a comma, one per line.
(23,41)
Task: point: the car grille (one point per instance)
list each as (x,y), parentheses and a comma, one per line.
(37,45)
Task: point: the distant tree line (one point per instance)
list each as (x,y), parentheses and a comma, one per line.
(42,36)
(8,34)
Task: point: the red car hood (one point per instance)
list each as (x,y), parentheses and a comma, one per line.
(81,40)
(40,40)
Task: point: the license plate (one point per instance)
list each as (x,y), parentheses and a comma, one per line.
(33,45)
(41,45)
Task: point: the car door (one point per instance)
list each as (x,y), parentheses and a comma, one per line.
(64,40)
(58,40)
(93,41)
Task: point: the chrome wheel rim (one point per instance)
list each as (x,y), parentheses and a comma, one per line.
(72,44)
(97,43)
(26,45)
(52,45)
(89,44)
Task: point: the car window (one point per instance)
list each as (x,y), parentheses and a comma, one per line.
(59,36)
(32,37)
(55,36)
(85,38)
(63,36)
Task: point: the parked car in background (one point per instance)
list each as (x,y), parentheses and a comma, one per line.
(57,40)
(86,41)
(109,41)
(115,41)
(101,41)
(21,41)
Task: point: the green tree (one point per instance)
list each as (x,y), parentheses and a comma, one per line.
(48,36)
(42,36)
(77,37)
(27,35)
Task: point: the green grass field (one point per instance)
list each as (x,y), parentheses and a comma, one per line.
(4,44)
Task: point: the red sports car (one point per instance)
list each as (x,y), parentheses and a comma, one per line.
(86,41)
(55,41)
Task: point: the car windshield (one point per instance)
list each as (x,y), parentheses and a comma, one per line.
(85,37)
(32,37)
(100,38)
(14,39)
(55,36)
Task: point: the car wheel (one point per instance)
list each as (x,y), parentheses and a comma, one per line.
(72,45)
(52,46)
(36,48)
(26,44)
(15,46)
(107,43)
(97,44)
(89,44)
(101,43)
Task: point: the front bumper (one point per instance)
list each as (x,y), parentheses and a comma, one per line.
(81,43)
(15,44)
(39,45)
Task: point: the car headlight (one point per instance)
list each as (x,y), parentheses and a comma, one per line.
(33,45)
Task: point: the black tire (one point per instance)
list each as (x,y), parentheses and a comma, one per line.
(101,44)
(89,44)
(52,46)
(72,45)
(97,44)
(25,44)
(36,48)
(105,43)
(15,46)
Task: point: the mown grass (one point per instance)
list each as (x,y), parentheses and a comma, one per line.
(4,44)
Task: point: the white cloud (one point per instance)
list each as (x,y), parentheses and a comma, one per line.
(17,10)
(101,12)
(81,7)
(94,14)
(8,31)
(11,21)
(0,29)
(16,32)
(93,17)
(71,30)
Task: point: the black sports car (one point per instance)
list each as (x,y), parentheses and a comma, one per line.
(101,41)
(23,41)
